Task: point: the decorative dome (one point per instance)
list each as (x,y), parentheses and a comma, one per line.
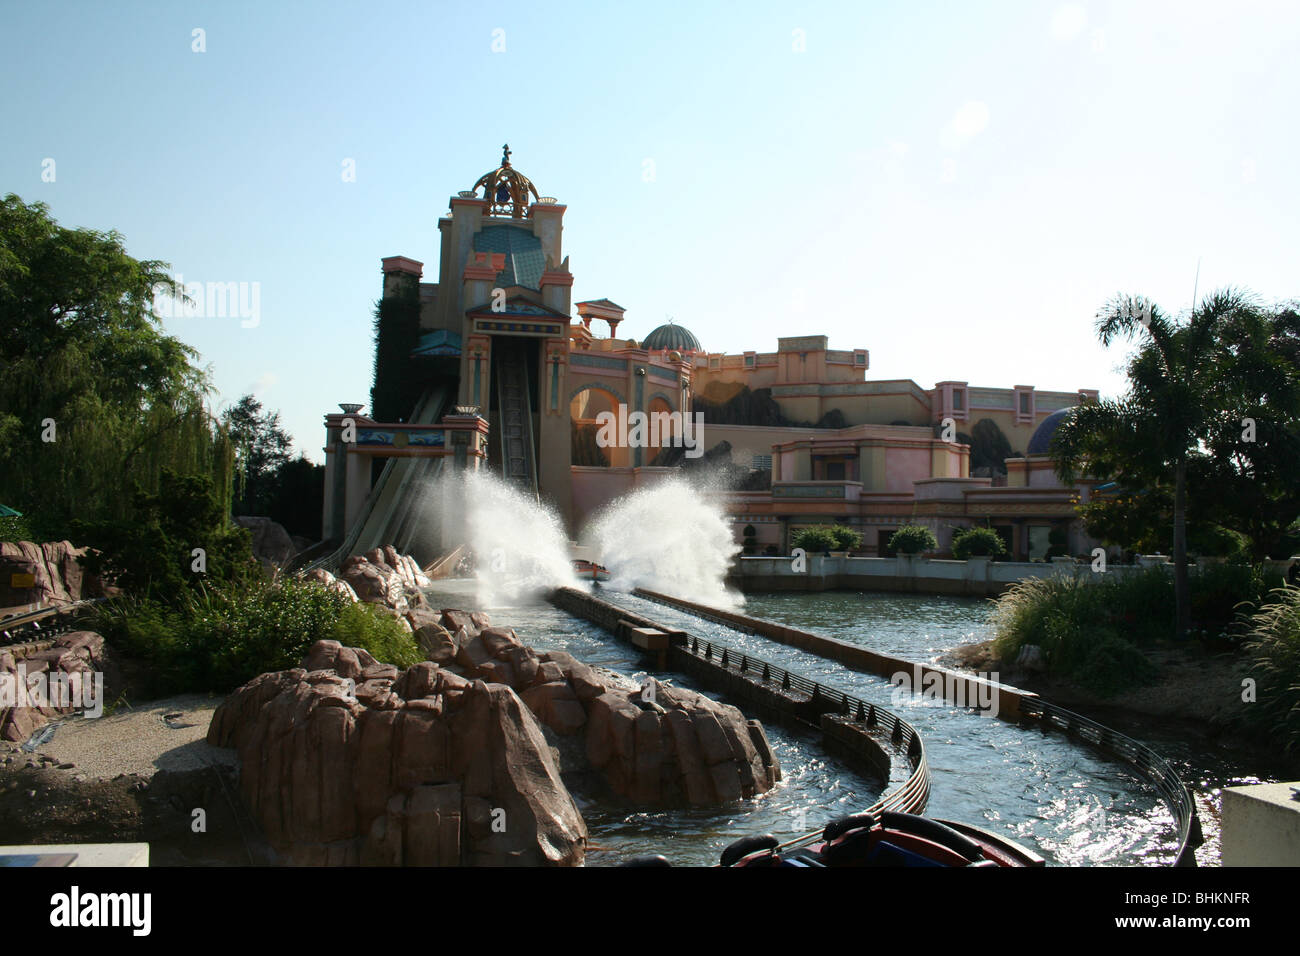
(672,336)
(506,189)
(1041,441)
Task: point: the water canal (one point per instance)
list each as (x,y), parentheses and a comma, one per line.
(1060,798)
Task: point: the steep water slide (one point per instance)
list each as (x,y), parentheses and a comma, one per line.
(394,511)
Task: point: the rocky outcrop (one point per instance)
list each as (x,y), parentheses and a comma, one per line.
(271,542)
(382,576)
(346,760)
(57,575)
(656,745)
(328,581)
(56,679)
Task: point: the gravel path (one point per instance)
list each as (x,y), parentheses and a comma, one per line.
(139,740)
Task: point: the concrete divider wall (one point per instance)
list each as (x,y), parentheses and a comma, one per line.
(955,687)
(974,577)
(771,702)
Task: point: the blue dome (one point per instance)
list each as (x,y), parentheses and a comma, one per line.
(1041,441)
(672,337)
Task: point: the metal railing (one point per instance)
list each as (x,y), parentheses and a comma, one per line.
(42,623)
(1142,758)
(911,796)
(1148,764)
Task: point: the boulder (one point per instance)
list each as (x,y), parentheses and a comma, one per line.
(419,767)
(271,542)
(57,574)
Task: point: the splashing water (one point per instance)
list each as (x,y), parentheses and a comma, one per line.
(669,537)
(520,547)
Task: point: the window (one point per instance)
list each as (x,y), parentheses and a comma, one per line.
(958,399)
(761,463)
(1025,399)
(859,358)
(835,471)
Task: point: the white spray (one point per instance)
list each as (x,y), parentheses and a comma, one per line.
(669,537)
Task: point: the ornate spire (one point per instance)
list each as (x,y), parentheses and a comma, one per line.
(506,189)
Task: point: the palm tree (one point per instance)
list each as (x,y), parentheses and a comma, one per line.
(1158,430)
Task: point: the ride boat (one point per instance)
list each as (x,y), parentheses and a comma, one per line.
(589,569)
(885,840)
(890,840)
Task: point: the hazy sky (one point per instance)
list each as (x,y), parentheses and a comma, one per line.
(956,187)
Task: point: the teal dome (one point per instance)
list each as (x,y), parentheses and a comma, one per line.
(672,337)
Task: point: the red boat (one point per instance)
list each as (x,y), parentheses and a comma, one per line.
(589,569)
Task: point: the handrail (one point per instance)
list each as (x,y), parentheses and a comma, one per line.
(1146,761)
(909,797)
(33,618)
(1150,765)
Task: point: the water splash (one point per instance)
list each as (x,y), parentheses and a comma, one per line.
(519,547)
(669,537)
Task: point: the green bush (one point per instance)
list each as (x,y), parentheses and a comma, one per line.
(1091,626)
(818,538)
(1274,650)
(846,539)
(981,542)
(15,528)
(913,539)
(217,639)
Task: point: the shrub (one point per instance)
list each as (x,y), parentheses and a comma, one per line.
(846,539)
(217,639)
(15,528)
(913,539)
(815,539)
(981,542)
(1274,649)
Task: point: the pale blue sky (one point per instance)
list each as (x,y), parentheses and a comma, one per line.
(955,187)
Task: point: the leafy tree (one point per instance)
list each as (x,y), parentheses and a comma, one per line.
(300,497)
(93,395)
(1180,423)
(151,554)
(261,451)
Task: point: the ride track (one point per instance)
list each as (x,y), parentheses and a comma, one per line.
(1032,710)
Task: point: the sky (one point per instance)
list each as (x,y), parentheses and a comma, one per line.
(956,187)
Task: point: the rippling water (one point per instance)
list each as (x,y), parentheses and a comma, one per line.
(1065,801)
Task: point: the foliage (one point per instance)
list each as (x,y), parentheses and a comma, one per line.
(989,447)
(846,539)
(816,539)
(83,361)
(216,639)
(1179,433)
(981,542)
(299,498)
(913,539)
(150,554)
(261,451)
(1274,649)
(396,390)
(15,528)
(1066,615)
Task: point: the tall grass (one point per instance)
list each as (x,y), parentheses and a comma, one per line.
(1092,627)
(1274,649)
(215,640)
